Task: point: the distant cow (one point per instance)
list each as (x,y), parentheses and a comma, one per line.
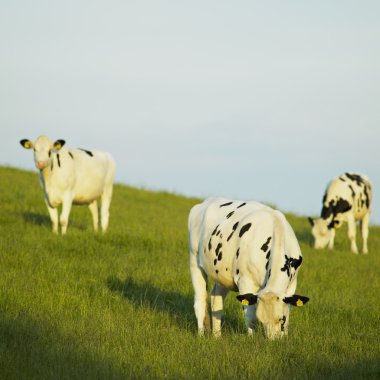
(347,199)
(249,248)
(73,176)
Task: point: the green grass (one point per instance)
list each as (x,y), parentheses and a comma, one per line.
(120,306)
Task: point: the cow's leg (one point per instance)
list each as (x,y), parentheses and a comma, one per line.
(250,318)
(247,287)
(53,212)
(93,206)
(199,280)
(106,201)
(332,238)
(352,232)
(364,227)
(66,208)
(217,301)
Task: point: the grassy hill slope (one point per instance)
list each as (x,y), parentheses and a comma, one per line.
(121,305)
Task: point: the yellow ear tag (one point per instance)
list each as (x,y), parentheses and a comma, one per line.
(299,302)
(245,302)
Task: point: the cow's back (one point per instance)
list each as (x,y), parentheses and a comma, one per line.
(350,191)
(92,173)
(83,174)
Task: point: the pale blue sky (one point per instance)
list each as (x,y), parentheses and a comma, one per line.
(245,99)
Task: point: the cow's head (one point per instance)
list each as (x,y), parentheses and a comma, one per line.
(321,231)
(43,148)
(272,311)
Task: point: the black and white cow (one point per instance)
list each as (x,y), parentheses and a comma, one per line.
(73,176)
(249,248)
(346,199)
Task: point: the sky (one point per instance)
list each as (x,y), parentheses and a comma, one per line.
(262,100)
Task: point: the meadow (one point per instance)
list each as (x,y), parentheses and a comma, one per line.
(120,305)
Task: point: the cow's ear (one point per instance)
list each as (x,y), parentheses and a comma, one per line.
(59,144)
(311,221)
(247,299)
(296,300)
(27,144)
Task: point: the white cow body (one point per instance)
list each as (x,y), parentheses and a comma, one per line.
(347,199)
(245,247)
(73,176)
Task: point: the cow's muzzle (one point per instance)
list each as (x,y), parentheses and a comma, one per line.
(41,165)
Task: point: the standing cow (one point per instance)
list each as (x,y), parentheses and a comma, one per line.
(73,176)
(249,248)
(346,199)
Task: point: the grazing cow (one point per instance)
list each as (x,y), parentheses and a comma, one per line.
(73,176)
(249,248)
(346,199)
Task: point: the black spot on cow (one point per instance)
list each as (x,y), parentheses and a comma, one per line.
(291,262)
(268,255)
(220,256)
(243,204)
(226,204)
(265,246)
(324,198)
(367,196)
(362,201)
(230,214)
(214,232)
(209,245)
(335,207)
(221,236)
(218,232)
(356,178)
(216,271)
(237,253)
(342,179)
(217,249)
(215,261)
(87,152)
(226,269)
(244,229)
(327,210)
(266,265)
(352,191)
(71,155)
(286,267)
(237,271)
(58,160)
(295,263)
(269,273)
(341,206)
(283,320)
(234,227)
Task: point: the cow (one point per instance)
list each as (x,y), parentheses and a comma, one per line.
(73,176)
(347,199)
(249,248)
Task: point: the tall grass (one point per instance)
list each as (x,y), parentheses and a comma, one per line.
(119,305)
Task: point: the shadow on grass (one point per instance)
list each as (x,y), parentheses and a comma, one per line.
(177,306)
(34,350)
(36,218)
